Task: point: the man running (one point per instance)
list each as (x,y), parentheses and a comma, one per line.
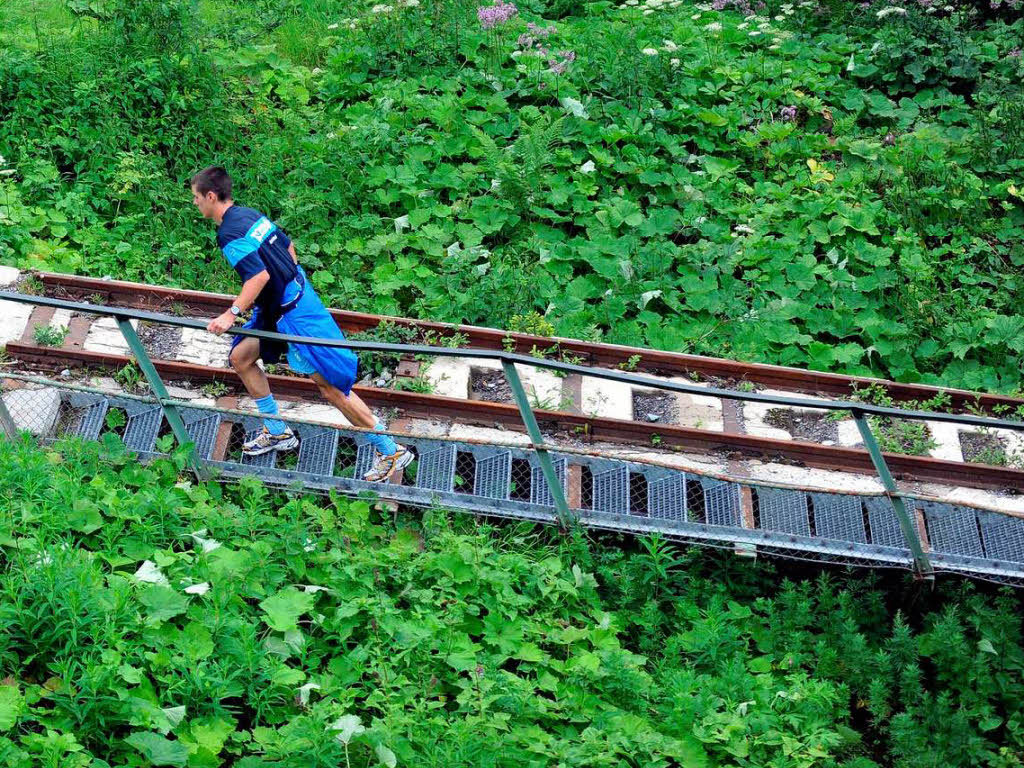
(275,287)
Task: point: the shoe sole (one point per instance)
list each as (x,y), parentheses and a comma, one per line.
(287,445)
(407,458)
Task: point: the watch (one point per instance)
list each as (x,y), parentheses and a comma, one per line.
(235,310)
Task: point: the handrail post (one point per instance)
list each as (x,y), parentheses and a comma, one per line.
(7,425)
(922,565)
(565,516)
(160,391)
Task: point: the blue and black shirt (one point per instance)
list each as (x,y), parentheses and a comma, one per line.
(252,243)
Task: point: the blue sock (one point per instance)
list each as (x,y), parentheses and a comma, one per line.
(268,407)
(382,443)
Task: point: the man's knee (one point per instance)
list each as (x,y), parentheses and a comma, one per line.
(241,358)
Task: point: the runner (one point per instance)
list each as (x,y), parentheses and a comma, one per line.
(275,287)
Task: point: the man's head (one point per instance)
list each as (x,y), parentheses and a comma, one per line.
(211,192)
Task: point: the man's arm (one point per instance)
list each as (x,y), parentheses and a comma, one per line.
(291,250)
(250,290)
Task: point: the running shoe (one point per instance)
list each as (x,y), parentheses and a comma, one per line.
(265,441)
(385,466)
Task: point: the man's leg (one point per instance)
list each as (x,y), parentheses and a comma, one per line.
(276,436)
(392,457)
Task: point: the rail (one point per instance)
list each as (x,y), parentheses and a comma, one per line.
(859,411)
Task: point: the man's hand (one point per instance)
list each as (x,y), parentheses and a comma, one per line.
(220,324)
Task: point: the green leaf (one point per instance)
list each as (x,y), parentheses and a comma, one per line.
(284,608)
(12,705)
(712,118)
(986,645)
(162,603)
(158,750)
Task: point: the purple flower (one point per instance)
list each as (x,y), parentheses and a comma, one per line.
(1014,54)
(789,114)
(491,16)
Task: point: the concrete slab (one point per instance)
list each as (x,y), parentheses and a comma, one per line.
(181,393)
(61,319)
(947,437)
(607,399)
(104,336)
(469,432)
(203,348)
(697,411)
(313,411)
(34,410)
(975,497)
(8,276)
(849,435)
(449,376)
(428,428)
(813,478)
(13,320)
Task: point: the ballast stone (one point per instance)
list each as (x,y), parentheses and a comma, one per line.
(34,410)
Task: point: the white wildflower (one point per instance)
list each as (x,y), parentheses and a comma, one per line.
(198,589)
(588,167)
(332,26)
(780,17)
(755,33)
(411,3)
(744,229)
(695,16)
(714,26)
(648,11)
(669,46)
(674,63)
(890,10)
(649,51)
(381,8)
(744,25)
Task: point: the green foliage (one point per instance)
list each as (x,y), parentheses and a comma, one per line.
(148,619)
(49,336)
(822,186)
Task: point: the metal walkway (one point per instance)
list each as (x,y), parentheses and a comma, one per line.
(603,492)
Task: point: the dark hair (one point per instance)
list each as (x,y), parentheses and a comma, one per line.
(213,179)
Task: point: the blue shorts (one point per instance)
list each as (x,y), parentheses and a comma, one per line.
(309,317)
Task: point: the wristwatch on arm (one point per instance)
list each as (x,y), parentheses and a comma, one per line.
(235,310)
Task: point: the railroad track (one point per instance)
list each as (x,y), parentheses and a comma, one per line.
(157,298)
(730,481)
(728,443)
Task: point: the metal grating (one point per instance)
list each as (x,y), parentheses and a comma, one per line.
(436,469)
(783,511)
(91,413)
(540,493)
(839,517)
(366,454)
(721,502)
(493,476)
(1002,536)
(142,428)
(885,526)
(318,448)
(666,498)
(952,530)
(611,491)
(202,429)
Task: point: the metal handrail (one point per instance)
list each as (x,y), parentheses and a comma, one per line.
(508,360)
(537,362)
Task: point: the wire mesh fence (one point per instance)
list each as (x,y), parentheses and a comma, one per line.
(603,492)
